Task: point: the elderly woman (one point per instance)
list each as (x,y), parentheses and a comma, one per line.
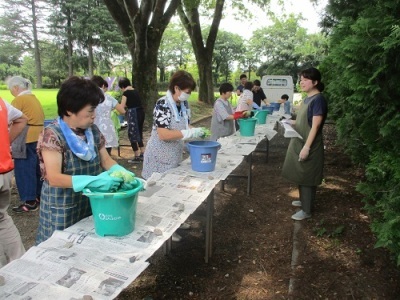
(170,126)
(73,157)
(27,172)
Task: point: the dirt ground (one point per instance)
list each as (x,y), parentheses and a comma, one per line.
(254,238)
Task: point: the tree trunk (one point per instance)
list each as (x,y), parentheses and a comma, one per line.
(144,73)
(203,53)
(206,87)
(90,58)
(38,63)
(69,46)
(162,74)
(143,24)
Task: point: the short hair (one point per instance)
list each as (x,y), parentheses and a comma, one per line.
(124,82)
(248,85)
(98,80)
(21,82)
(314,75)
(284,96)
(76,93)
(257,82)
(243,76)
(182,79)
(225,87)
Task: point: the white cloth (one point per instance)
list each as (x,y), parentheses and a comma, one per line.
(104,122)
(13,113)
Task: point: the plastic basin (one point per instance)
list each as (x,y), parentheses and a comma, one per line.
(247,126)
(114,214)
(203,155)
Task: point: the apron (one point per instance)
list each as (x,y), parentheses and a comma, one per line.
(105,123)
(309,171)
(161,156)
(219,127)
(62,207)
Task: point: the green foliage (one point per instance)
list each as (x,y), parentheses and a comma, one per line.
(287,47)
(362,76)
(228,49)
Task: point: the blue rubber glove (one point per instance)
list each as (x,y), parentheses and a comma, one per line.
(125,185)
(101,183)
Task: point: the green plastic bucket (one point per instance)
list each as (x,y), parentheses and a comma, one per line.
(247,126)
(114,214)
(261,116)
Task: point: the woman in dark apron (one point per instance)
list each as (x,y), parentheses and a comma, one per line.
(305,157)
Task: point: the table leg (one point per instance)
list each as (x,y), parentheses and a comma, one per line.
(250,162)
(209,225)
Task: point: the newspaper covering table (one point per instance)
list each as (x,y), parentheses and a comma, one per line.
(76,262)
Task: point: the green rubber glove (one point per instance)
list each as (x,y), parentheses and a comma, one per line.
(101,183)
(125,185)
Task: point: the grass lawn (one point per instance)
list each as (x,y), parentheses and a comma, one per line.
(48,98)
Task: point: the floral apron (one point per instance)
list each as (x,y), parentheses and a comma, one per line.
(161,156)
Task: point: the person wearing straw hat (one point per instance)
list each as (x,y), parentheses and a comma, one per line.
(304,160)
(73,158)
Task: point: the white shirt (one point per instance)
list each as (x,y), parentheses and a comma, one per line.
(13,113)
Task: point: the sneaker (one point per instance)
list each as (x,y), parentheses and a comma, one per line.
(25,208)
(296,203)
(176,237)
(185,226)
(136,160)
(300,215)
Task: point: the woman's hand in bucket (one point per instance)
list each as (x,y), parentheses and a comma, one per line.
(100,183)
(304,153)
(246,114)
(192,133)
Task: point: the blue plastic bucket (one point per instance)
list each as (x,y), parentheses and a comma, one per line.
(47,122)
(269,109)
(203,155)
(114,214)
(261,116)
(275,105)
(247,126)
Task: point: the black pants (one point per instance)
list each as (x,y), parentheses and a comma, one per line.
(307,197)
(140,121)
